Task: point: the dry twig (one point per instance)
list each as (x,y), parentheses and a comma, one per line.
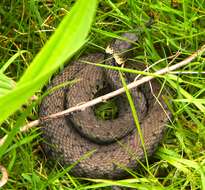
(134,84)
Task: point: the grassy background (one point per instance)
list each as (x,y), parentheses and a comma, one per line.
(179,26)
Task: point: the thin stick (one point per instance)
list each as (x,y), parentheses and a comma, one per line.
(134,84)
(105,97)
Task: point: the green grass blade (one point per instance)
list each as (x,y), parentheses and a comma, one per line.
(11,60)
(67,39)
(188,96)
(6,82)
(135,117)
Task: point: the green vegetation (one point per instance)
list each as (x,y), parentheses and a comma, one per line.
(106,110)
(25,26)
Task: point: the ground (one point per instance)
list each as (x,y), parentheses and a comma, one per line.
(178,26)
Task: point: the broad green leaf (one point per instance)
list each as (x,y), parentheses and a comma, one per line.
(67,39)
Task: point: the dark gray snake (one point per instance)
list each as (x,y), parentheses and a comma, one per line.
(116,142)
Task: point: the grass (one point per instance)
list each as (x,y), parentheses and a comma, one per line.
(179,161)
(106,110)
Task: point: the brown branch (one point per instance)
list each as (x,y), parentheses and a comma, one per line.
(105,97)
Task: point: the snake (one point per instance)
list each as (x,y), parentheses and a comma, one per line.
(92,146)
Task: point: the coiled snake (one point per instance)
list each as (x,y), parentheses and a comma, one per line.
(116,142)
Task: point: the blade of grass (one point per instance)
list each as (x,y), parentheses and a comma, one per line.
(182,164)
(135,117)
(11,60)
(67,39)
(188,96)
(66,170)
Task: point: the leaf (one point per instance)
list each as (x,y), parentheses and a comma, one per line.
(67,39)
(11,60)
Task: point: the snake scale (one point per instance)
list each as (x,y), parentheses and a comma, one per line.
(115,143)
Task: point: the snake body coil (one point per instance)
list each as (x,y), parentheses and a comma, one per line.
(116,143)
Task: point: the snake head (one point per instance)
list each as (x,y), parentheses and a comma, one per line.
(118,48)
(124,43)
